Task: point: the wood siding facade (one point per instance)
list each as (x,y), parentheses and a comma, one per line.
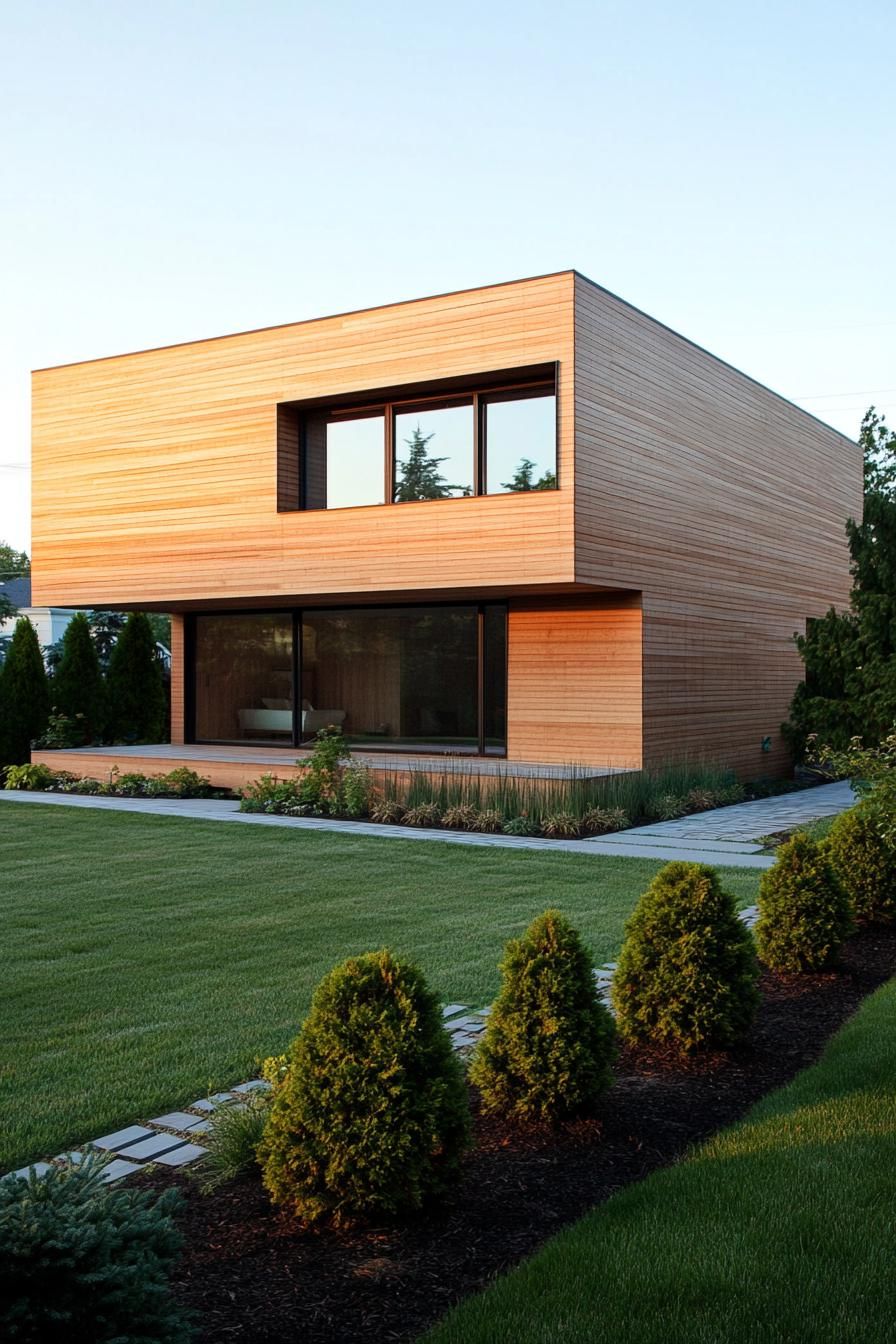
(653,596)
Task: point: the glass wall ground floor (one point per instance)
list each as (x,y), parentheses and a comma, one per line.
(403,678)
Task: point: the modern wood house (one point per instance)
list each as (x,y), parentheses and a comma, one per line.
(524,524)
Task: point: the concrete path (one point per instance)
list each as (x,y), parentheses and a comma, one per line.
(725,836)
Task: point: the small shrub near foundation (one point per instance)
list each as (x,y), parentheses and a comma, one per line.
(460,817)
(667,807)
(604,820)
(371,1119)
(804,912)
(700,800)
(424,814)
(864,860)
(268,794)
(520,826)
(387,811)
(82,1262)
(561,826)
(687,972)
(549,1043)
(28,777)
(489,821)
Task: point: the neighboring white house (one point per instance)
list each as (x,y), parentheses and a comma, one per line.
(49,622)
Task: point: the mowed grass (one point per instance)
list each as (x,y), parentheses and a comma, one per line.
(149,960)
(782,1228)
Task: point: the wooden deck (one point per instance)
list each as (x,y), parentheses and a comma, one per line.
(234,767)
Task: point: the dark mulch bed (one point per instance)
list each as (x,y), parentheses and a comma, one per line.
(251,1275)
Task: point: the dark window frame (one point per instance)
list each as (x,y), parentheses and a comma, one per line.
(296,614)
(507,385)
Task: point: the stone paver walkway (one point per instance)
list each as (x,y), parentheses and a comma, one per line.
(726,836)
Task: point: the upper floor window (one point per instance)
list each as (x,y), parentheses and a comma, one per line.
(491,439)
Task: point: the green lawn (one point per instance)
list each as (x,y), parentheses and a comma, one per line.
(148,959)
(782,1228)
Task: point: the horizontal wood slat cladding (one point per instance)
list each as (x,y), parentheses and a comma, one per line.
(177,679)
(726,506)
(574,680)
(155,474)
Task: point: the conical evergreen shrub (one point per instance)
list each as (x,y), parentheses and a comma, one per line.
(865,863)
(549,1043)
(77,688)
(805,914)
(24,695)
(687,973)
(371,1119)
(136,704)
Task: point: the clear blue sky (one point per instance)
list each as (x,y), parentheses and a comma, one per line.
(173,171)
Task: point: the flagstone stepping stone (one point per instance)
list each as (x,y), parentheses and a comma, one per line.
(175,1120)
(452,1009)
(255,1085)
(123,1138)
(118,1169)
(153,1147)
(179,1157)
(40,1168)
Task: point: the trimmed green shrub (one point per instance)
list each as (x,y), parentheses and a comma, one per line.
(520,826)
(687,973)
(372,1118)
(24,695)
(82,1262)
(78,690)
(865,862)
(136,707)
(546,1051)
(804,912)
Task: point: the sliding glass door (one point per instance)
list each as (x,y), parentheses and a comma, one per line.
(427,679)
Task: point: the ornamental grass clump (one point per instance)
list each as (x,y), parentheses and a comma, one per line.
(547,1050)
(805,914)
(82,1262)
(687,973)
(865,862)
(371,1119)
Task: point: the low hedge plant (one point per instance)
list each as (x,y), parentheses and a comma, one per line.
(864,859)
(687,973)
(371,1118)
(804,912)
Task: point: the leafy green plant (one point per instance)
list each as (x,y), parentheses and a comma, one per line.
(357,790)
(130,784)
(687,973)
(804,912)
(30,777)
(235,1130)
(179,783)
(62,732)
(549,1042)
(561,826)
(604,820)
(700,800)
(82,1262)
(268,793)
(520,826)
(371,1119)
(864,859)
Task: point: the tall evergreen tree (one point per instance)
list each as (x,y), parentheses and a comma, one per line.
(418,477)
(77,687)
(850,656)
(136,703)
(24,695)
(523,478)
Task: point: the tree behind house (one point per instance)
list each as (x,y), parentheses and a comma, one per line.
(418,477)
(135,689)
(24,695)
(77,686)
